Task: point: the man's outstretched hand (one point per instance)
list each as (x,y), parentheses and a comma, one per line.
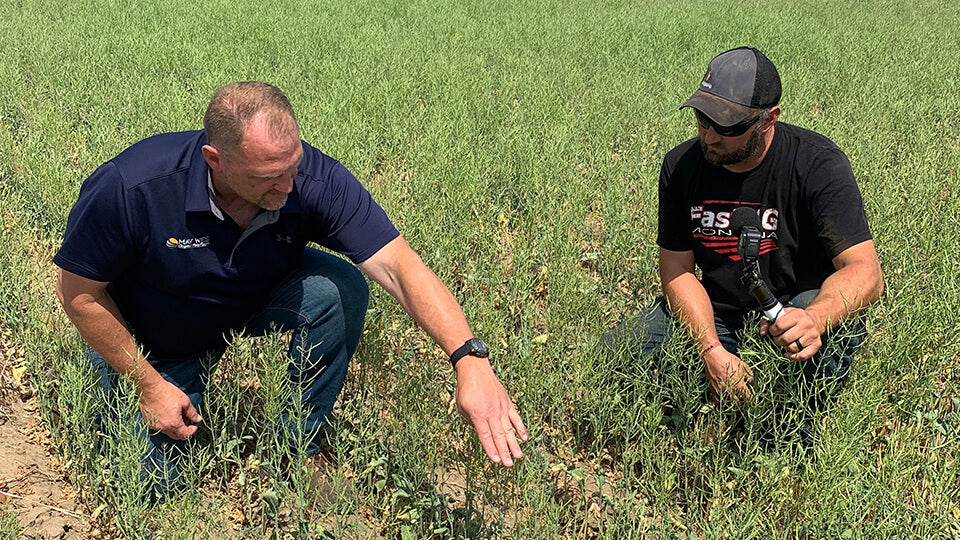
(484,404)
(727,374)
(165,408)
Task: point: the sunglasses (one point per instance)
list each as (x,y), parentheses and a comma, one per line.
(725,131)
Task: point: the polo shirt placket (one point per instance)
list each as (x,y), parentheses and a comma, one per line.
(261,220)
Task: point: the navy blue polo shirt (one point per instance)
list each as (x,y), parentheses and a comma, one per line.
(183,273)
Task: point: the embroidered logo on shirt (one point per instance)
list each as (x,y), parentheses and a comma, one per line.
(188,243)
(284,239)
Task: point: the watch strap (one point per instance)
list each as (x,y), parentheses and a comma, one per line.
(472,346)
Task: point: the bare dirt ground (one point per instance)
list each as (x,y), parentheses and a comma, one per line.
(33,486)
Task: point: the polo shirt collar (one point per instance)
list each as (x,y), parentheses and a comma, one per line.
(211,195)
(198,175)
(200,194)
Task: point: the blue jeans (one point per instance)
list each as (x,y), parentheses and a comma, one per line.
(643,338)
(324,303)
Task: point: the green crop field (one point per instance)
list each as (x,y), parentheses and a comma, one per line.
(516,145)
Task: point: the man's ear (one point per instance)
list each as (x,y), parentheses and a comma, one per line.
(213,158)
(772,116)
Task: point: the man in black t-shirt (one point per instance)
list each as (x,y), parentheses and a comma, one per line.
(816,252)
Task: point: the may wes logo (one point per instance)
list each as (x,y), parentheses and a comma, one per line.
(188,243)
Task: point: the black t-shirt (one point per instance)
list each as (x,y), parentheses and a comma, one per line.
(807,199)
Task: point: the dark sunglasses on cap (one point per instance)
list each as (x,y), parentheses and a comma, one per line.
(729,131)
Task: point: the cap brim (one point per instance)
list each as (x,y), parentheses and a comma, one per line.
(723,112)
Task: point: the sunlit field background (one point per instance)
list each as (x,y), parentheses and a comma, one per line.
(516,145)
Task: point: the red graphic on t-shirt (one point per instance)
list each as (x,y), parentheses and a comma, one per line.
(710,223)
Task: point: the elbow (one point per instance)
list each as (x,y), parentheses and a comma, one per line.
(58,289)
(72,297)
(674,265)
(880,285)
(872,284)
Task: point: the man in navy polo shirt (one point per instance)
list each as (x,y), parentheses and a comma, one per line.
(186,237)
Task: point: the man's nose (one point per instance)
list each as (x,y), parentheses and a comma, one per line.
(710,136)
(285,185)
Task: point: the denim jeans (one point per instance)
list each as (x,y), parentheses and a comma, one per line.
(643,338)
(324,303)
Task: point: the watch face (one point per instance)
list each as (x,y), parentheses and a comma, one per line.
(479,348)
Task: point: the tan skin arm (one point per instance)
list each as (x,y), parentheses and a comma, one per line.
(481,398)
(726,373)
(857,283)
(164,407)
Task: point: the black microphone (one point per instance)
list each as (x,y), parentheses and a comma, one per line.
(744,215)
(745,222)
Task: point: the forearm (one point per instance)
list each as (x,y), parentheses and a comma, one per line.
(692,307)
(100,324)
(401,272)
(480,397)
(690,304)
(164,407)
(435,309)
(843,293)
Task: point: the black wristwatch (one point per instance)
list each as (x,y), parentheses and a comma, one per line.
(473,347)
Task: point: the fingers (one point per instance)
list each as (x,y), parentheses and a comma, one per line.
(740,388)
(183,432)
(799,343)
(184,424)
(487,441)
(502,440)
(732,380)
(737,391)
(513,426)
(796,333)
(498,437)
(188,423)
(484,404)
(801,349)
(748,373)
(191,414)
(792,321)
(517,423)
(175,417)
(176,430)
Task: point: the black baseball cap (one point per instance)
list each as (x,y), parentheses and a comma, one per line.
(737,83)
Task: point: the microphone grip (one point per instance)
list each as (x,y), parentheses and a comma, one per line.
(774,312)
(771,307)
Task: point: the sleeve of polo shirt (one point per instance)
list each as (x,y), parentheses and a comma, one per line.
(833,199)
(97,243)
(349,221)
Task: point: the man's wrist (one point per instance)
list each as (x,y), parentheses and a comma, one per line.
(821,323)
(710,347)
(471,363)
(472,347)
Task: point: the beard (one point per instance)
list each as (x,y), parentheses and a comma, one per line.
(275,202)
(751,147)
